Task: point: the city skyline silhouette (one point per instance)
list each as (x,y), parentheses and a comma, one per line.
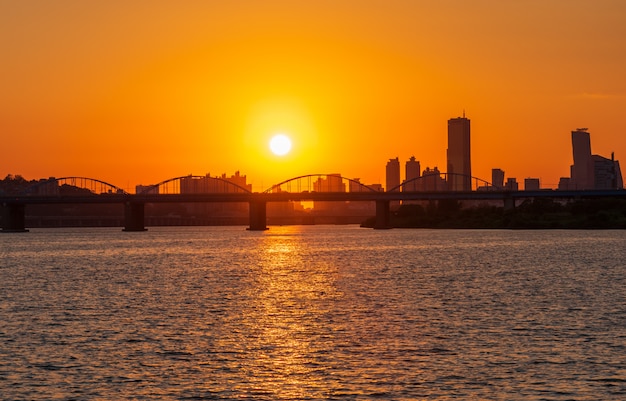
(455,178)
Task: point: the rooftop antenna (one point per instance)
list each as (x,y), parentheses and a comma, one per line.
(463,113)
(613,172)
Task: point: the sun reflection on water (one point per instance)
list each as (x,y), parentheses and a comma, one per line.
(287,312)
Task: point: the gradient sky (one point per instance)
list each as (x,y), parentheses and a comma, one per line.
(135,92)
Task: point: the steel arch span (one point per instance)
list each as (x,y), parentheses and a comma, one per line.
(72,186)
(319,183)
(198,184)
(439,182)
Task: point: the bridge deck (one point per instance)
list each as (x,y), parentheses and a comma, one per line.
(307,196)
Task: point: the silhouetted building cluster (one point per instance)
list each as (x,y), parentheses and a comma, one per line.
(192,213)
(336,183)
(587,173)
(332,183)
(590,171)
(458,176)
(208,184)
(147,189)
(223,184)
(511,184)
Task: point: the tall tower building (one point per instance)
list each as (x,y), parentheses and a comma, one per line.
(583,169)
(412,171)
(392,173)
(459,160)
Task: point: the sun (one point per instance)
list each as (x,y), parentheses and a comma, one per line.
(280,144)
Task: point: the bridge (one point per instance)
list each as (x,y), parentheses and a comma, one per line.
(204,189)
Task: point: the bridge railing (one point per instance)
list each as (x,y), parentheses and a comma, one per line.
(437,181)
(320,183)
(194,184)
(68,186)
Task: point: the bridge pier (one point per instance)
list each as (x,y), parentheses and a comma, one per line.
(509,204)
(382,215)
(258,216)
(13,218)
(134,216)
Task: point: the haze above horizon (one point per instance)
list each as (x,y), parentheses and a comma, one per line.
(137,92)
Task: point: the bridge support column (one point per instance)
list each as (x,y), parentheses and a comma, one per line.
(509,204)
(13,218)
(134,216)
(382,215)
(258,216)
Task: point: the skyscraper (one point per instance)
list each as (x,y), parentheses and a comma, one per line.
(582,170)
(459,160)
(392,174)
(412,172)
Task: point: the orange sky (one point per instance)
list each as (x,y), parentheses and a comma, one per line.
(135,92)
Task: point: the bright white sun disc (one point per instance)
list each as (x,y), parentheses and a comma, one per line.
(280,144)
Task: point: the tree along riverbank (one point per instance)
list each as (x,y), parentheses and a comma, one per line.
(530,214)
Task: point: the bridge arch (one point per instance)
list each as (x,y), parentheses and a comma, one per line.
(194,184)
(72,186)
(320,183)
(437,181)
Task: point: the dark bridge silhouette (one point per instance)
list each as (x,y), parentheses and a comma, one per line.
(194,183)
(55,186)
(437,181)
(319,183)
(203,189)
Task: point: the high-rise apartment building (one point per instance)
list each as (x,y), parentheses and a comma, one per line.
(564,183)
(606,173)
(497,178)
(432,181)
(412,173)
(459,158)
(392,174)
(355,185)
(511,184)
(532,184)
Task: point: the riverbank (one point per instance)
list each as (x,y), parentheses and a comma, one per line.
(537,214)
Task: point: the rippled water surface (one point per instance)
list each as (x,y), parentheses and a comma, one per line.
(313,312)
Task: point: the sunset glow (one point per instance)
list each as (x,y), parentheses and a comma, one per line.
(308,200)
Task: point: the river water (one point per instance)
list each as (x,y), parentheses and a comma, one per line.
(312,312)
